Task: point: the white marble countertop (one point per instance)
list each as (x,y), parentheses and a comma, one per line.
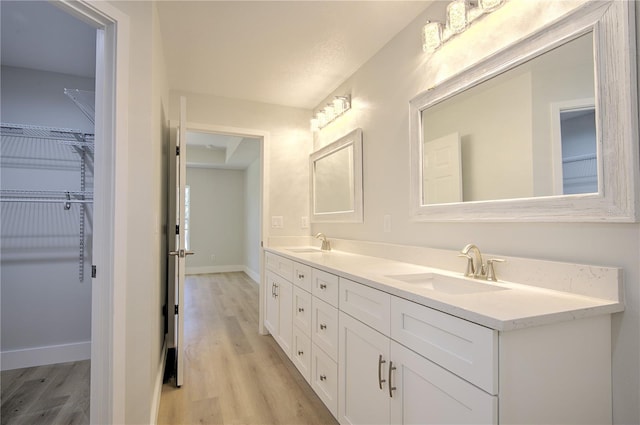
(511,306)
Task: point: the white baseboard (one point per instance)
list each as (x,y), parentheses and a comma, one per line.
(157,390)
(40,356)
(252,274)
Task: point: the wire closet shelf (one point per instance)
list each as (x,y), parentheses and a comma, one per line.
(48,150)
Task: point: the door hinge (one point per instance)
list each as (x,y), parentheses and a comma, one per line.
(177,229)
(177,150)
(175,311)
(93,271)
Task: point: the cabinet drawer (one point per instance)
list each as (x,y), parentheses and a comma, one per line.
(302,276)
(464,348)
(302,310)
(325,286)
(280,265)
(324,379)
(301,353)
(325,327)
(370,306)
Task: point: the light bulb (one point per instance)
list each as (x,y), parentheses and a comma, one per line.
(338,105)
(457,16)
(489,5)
(314,124)
(322,119)
(431,36)
(329,112)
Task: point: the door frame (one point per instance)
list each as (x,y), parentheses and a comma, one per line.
(265,137)
(108,299)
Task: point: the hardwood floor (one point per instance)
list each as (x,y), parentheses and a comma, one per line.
(52,394)
(233,375)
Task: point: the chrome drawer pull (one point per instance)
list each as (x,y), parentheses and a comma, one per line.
(323,377)
(380,362)
(391,387)
(323,326)
(300,309)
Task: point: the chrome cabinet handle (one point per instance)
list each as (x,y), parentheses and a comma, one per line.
(323,377)
(323,326)
(300,276)
(391,387)
(300,309)
(300,352)
(380,363)
(323,286)
(277,290)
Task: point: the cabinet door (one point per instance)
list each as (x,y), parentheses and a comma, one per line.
(285,310)
(363,365)
(425,393)
(271,301)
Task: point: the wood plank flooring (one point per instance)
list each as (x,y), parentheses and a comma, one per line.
(233,375)
(51,394)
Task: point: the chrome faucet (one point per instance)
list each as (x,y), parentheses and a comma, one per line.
(326,245)
(476,268)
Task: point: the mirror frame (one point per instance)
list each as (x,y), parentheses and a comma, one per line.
(614,39)
(354,139)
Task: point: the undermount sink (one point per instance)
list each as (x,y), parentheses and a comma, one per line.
(304,250)
(447,284)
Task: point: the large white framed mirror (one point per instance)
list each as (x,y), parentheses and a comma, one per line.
(336,181)
(545,130)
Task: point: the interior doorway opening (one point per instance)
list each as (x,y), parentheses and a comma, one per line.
(223,175)
(47,165)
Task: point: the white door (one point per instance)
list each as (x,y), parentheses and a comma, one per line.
(364,373)
(442,170)
(176,243)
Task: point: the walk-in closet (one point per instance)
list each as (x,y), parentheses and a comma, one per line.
(46,206)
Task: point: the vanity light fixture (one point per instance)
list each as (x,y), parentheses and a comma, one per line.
(329,113)
(460,14)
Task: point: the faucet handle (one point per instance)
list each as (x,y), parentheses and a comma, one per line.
(491,272)
(470,271)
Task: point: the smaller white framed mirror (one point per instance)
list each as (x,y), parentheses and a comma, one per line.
(336,181)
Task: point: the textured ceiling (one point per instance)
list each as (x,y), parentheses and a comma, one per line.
(281,52)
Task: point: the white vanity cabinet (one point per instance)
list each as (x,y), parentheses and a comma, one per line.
(383,382)
(375,357)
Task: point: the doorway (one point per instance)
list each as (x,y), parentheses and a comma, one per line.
(47,164)
(223,177)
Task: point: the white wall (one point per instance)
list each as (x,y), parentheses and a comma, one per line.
(252,220)
(216,219)
(44,305)
(146,210)
(381,90)
(288,149)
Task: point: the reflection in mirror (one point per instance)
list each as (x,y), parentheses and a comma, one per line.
(334,186)
(496,139)
(336,180)
(543,130)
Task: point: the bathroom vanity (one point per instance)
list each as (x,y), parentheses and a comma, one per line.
(383,341)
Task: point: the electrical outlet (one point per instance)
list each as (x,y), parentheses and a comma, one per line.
(277,222)
(304,222)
